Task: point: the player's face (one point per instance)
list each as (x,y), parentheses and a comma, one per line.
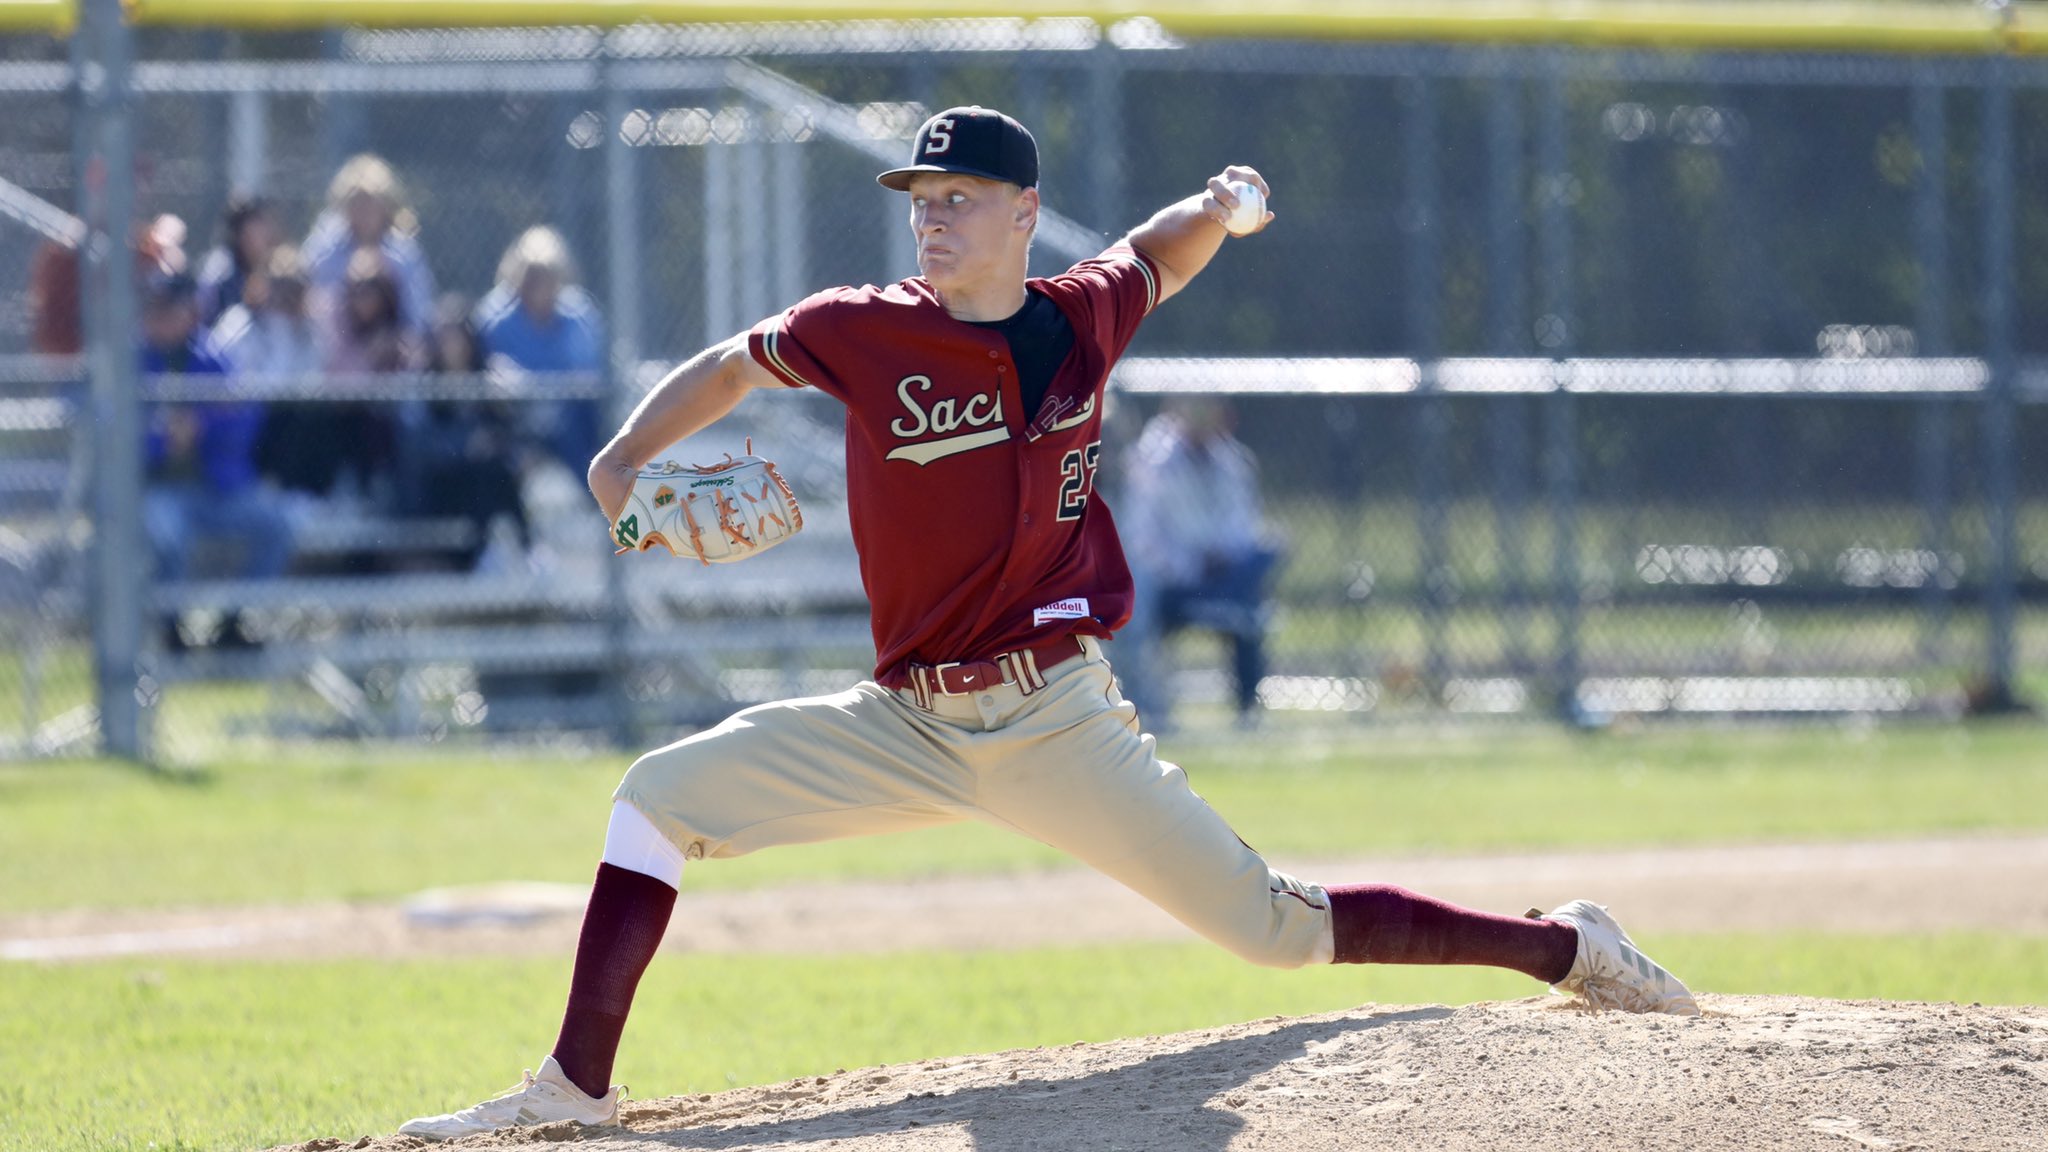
(968,229)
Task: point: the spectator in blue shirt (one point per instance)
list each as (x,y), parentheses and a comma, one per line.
(537,319)
(203,482)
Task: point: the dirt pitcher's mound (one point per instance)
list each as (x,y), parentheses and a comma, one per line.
(1755,1072)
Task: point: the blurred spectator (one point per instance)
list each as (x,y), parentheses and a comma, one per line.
(346,450)
(55,327)
(539,319)
(270,332)
(370,332)
(270,340)
(454,347)
(249,234)
(160,246)
(1199,549)
(366,209)
(468,455)
(203,482)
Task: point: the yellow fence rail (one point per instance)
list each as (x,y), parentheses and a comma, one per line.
(1758,25)
(36,16)
(1761,25)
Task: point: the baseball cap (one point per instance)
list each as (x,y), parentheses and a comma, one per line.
(973,141)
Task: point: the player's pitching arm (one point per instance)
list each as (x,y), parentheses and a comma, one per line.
(696,395)
(1182,237)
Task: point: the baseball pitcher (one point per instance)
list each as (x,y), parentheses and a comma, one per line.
(974,400)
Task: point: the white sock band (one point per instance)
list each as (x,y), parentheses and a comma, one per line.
(632,842)
(1326,942)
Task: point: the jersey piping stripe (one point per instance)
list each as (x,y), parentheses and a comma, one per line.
(770,341)
(1151,280)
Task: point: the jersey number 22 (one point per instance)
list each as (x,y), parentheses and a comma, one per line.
(1077,479)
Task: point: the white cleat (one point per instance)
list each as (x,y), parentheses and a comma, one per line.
(545,1098)
(1611,972)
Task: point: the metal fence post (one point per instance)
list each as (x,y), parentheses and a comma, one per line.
(1556,334)
(2000,477)
(750,215)
(1032,82)
(899,257)
(721,311)
(344,123)
(787,189)
(248,141)
(1421,210)
(571,200)
(623,235)
(1106,101)
(1931,338)
(108,285)
(1507,335)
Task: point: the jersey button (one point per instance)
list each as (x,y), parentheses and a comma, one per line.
(1003,586)
(1027,517)
(994,355)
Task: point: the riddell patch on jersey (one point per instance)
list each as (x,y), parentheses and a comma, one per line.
(1072,608)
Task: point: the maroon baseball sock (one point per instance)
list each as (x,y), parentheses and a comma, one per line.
(1384,924)
(622,927)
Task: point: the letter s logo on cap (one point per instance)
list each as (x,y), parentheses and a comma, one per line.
(940,137)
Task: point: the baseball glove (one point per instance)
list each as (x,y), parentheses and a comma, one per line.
(715,514)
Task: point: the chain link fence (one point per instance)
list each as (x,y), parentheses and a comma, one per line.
(46,687)
(1579,382)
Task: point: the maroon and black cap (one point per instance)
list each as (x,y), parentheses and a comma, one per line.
(973,141)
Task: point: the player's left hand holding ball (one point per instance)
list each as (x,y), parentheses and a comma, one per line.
(1237,200)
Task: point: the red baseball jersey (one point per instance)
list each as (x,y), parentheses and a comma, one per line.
(977,523)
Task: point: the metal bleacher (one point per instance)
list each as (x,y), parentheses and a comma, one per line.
(379,621)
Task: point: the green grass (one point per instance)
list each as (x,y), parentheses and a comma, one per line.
(336,825)
(193,1054)
(189,1055)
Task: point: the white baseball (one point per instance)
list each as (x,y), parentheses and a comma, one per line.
(1250,210)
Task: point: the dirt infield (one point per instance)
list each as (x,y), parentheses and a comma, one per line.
(1755,1072)
(1989,883)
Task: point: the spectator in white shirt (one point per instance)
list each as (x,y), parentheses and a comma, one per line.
(271,336)
(1200,550)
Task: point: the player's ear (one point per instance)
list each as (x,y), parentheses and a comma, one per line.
(1027,208)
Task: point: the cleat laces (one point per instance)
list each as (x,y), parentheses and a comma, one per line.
(494,1109)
